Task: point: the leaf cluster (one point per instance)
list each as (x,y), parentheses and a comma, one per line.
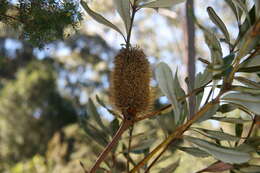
(40,21)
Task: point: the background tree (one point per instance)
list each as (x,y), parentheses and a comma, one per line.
(47,78)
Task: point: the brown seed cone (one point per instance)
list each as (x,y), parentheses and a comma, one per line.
(130,82)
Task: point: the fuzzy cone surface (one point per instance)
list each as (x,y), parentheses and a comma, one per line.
(130,82)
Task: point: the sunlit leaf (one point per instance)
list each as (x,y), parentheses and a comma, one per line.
(248,82)
(247,101)
(194,151)
(123,8)
(207,115)
(171,168)
(218,135)
(251,62)
(250,169)
(161,3)
(243,7)
(218,22)
(99,18)
(225,154)
(165,79)
(233,8)
(230,120)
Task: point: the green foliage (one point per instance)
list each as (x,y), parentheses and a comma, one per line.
(31,112)
(40,21)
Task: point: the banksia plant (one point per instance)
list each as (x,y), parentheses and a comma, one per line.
(130,82)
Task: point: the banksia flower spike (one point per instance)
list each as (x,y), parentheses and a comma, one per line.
(130,82)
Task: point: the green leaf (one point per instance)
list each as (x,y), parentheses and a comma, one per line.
(92,132)
(207,115)
(92,111)
(239,129)
(161,3)
(143,146)
(114,126)
(171,168)
(218,22)
(230,120)
(211,40)
(248,82)
(123,8)
(99,18)
(218,135)
(242,100)
(165,79)
(104,106)
(202,78)
(243,7)
(248,42)
(225,154)
(251,62)
(253,91)
(194,151)
(224,108)
(233,8)
(250,169)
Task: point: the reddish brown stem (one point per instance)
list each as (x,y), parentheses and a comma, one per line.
(125,125)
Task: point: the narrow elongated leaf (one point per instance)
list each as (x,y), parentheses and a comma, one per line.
(253,91)
(228,155)
(233,8)
(218,22)
(230,120)
(243,7)
(211,40)
(161,3)
(94,133)
(209,113)
(218,135)
(250,169)
(104,106)
(217,167)
(194,151)
(99,18)
(144,145)
(251,62)
(165,79)
(123,8)
(92,111)
(247,101)
(171,168)
(249,41)
(248,82)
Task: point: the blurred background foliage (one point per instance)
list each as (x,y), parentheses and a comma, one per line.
(52,61)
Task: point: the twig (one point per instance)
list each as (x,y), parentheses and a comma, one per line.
(129,146)
(251,128)
(134,10)
(195,91)
(177,133)
(83,167)
(125,125)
